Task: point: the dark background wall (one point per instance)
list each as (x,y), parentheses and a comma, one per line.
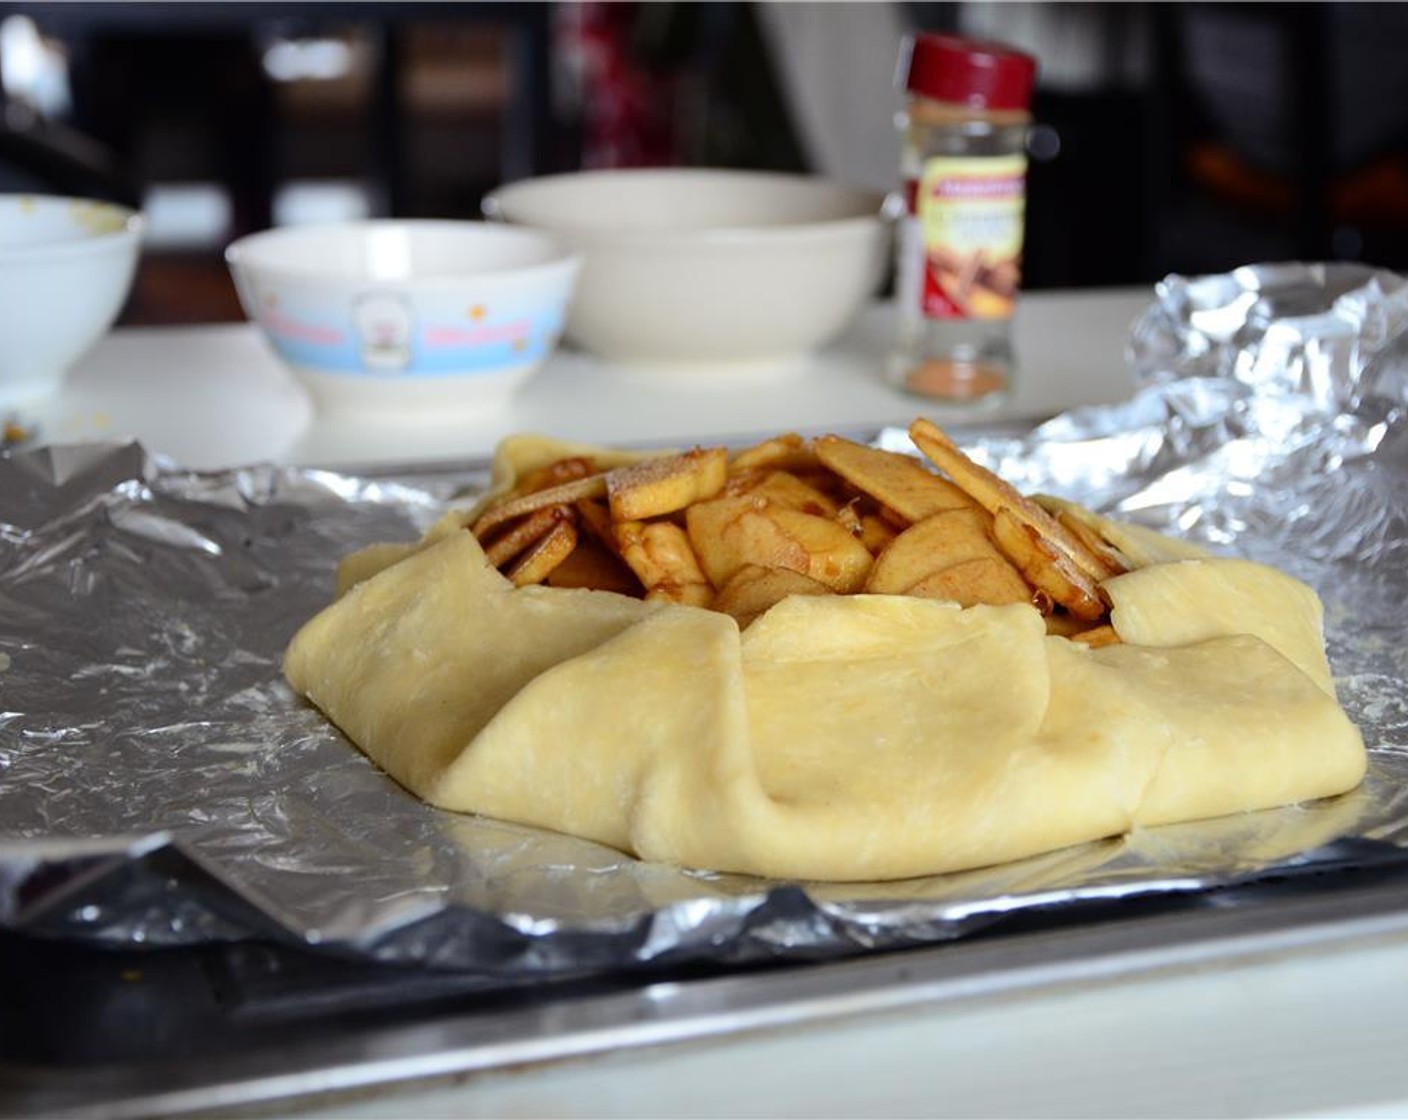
(1190,138)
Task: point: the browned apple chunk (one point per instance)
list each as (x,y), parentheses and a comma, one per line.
(527,531)
(654,487)
(834,557)
(729,533)
(514,507)
(994,493)
(659,553)
(940,541)
(1097,636)
(787,452)
(1059,624)
(1045,567)
(753,591)
(897,481)
(786,489)
(988,579)
(596,519)
(592,565)
(725,540)
(1072,519)
(876,533)
(535,565)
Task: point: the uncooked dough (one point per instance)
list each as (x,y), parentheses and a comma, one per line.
(840,737)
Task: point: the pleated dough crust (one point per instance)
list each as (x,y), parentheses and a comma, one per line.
(839,737)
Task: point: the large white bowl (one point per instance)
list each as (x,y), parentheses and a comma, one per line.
(66,265)
(406,315)
(691,269)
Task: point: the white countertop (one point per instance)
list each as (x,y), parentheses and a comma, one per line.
(217,396)
(1309,1031)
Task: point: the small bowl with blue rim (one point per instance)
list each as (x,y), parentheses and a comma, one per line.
(406,315)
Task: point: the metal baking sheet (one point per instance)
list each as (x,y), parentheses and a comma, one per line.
(350,1059)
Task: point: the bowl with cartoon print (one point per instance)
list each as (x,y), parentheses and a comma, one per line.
(406,315)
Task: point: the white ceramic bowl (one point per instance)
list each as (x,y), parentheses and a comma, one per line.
(66,265)
(406,315)
(690,269)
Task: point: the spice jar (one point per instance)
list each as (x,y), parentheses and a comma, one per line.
(959,244)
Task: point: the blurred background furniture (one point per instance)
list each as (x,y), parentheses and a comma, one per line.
(230,117)
(1169,137)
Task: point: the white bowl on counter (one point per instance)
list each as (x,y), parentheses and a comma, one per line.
(689,270)
(66,266)
(406,316)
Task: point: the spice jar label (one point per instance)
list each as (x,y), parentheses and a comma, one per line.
(971,213)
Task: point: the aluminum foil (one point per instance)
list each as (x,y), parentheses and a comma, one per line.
(160,784)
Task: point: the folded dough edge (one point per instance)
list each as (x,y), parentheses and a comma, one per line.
(839,738)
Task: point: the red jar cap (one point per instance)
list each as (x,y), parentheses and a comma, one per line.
(969,72)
